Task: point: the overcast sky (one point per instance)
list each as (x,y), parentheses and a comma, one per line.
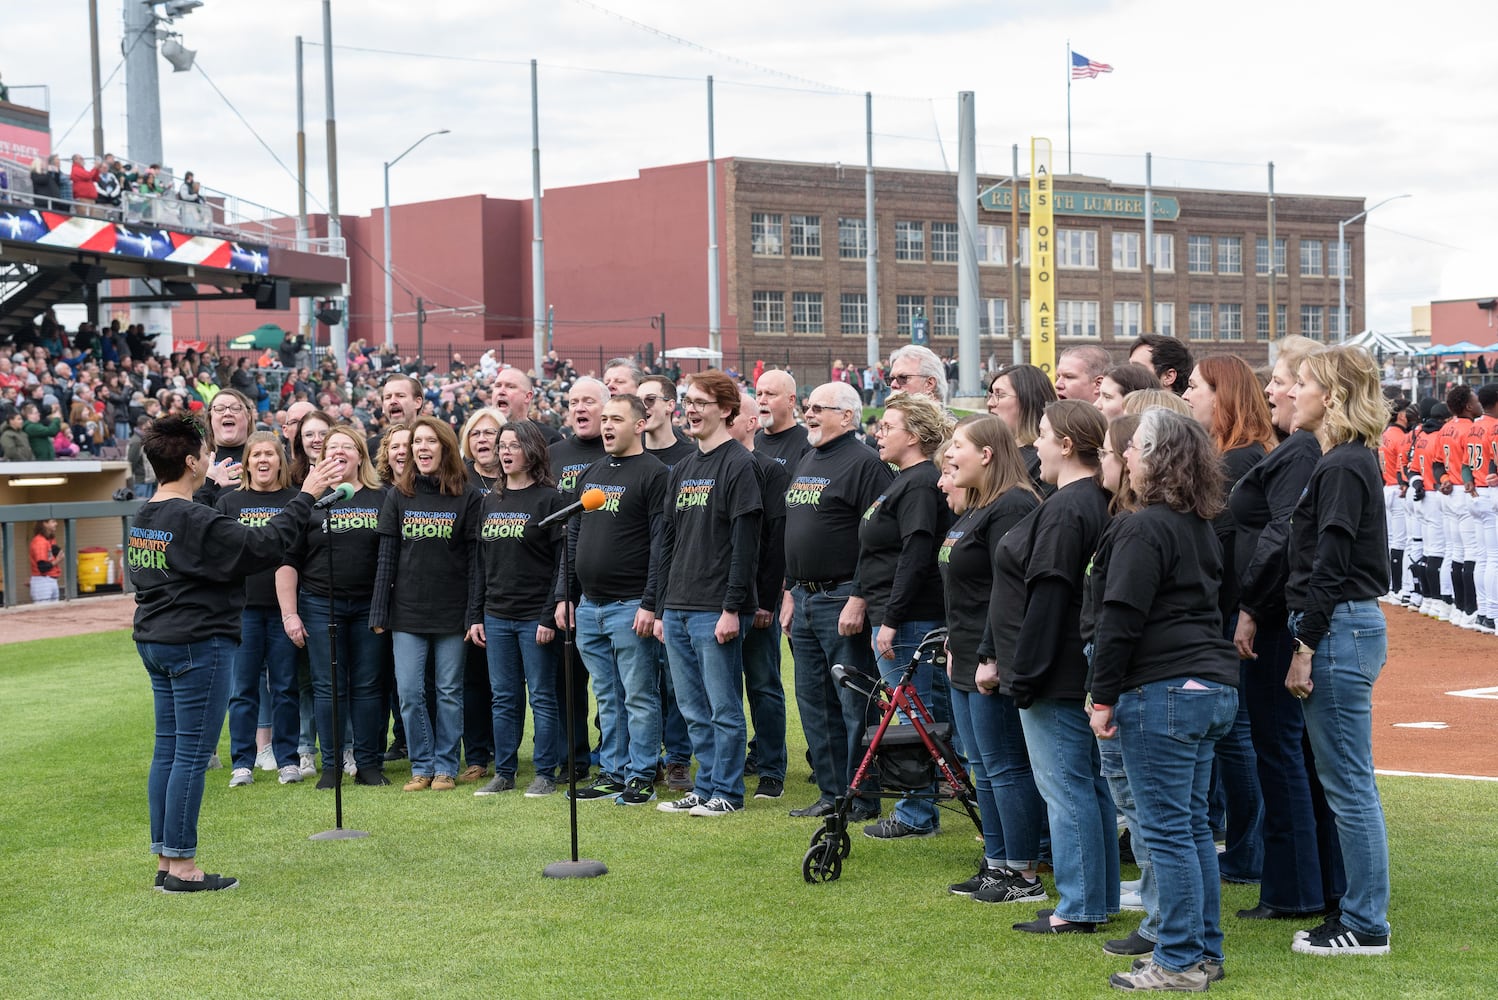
(1369,99)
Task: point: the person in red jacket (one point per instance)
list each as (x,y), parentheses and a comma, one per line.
(85,181)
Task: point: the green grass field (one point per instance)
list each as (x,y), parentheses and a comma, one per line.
(446,898)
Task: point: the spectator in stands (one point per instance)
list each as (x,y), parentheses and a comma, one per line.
(142,475)
(85,181)
(46,182)
(14,445)
(190,190)
(108,186)
(41,432)
(4,91)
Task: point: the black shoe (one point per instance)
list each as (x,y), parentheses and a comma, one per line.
(751,764)
(209,883)
(160,880)
(769,788)
(370,776)
(636,792)
(1262,912)
(816,810)
(862,814)
(1335,938)
(1125,848)
(975,883)
(397,751)
(1134,944)
(1043,925)
(328,778)
(603,788)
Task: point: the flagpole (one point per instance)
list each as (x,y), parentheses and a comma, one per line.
(1068,105)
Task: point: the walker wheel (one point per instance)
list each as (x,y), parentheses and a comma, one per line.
(822,864)
(844,842)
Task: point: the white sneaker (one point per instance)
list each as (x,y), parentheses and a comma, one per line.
(1131,901)
(290,774)
(241,776)
(214,763)
(265,759)
(309,767)
(349,768)
(714,807)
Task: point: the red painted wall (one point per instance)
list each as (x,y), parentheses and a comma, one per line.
(1452,322)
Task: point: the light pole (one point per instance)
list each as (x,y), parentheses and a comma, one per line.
(389,282)
(1343,265)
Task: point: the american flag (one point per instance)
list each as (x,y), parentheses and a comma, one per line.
(1083,68)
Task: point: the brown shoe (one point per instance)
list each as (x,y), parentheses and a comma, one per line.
(474,772)
(419,783)
(443,783)
(678,777)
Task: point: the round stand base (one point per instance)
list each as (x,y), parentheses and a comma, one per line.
(339,834)
(584,868)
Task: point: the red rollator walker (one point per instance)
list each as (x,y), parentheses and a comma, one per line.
(911,753)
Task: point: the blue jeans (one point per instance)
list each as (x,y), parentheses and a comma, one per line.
(674,736)
(918,813)
(1339,720)
(964,704)
(263,647)
(709,679)
(306,709)
(1236,775)
(832,717)
(626,683)
(518,663)
(190,688)
(766,697)
(999,739)
(360,695)
(433,743)
(1084,824)
(1110,764)
(478,712)
(1302,873)
(1169,733)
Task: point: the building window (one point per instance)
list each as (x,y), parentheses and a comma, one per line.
(855,313)
(944,242)
(806,236)
(806,312)
(1310,258)
(1076,248)
(1199,316)
(1165,318)
(1024,251)
(910,241)
(769,312)
(1336,267)
(1261,256)
(766,233)
(1334,323)
(1165,252)
(1261,321)
(993,318)
(907,308)
(1125,251)
(852,239)
(944,316)
(1312,319)
(1126,319)
(1229,255)
(1077,318)
(1230,321)
(1198,255)
(993,243)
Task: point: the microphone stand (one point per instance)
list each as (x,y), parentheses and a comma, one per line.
(338,832)
(573,867)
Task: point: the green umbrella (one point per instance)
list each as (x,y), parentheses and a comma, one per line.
(267,335)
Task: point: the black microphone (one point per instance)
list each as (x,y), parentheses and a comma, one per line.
(342,491)
(590,500)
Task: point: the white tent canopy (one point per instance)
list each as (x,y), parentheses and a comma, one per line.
(694,354)
(1373,340)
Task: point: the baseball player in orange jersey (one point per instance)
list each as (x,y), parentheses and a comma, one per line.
(1394,446)
(1436,584)
(1456,503)
(1483,448)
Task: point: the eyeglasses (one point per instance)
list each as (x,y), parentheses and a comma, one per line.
(884,427)
(996,395)
(696,404)
(898,381)
(483,432)
(815,409)
(227,409)
(650,401)
(509,446)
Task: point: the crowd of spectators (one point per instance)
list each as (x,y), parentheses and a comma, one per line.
(108,187)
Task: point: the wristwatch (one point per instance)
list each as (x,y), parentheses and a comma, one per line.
(1301,647)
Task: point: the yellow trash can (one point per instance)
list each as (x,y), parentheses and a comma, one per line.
(93,569)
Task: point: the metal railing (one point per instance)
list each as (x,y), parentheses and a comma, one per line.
(69,514)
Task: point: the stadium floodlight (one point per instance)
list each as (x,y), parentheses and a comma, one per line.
(177,8)
(178,55)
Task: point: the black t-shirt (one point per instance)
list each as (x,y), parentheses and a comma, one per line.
(774,478)
(680,447)
(897,539)
(1261,504)
(966,561)
(1158,570)
(1056,542)
(187,563)
(569,457)
(1236,464)
(830,489)
(712,538)
(786,447)
(253,509)
(433,535)
(617,546)
(1339,544)
(484,484)
(355,524)
(518,558)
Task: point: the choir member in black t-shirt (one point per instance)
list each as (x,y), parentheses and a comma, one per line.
(1117,383)
(512,392)
(395,450)
(997,494)
(230,423)
(479,437)
(306,445)
(1164,682)
(514,622)
(187,565)
(265,648)
(1226,399)
(898,575)
(1018,395)
(709,558)
(1302,874)
(779,436)
(314,595)
(1339,567)
(1035,611)
(831,487)
(421,595)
